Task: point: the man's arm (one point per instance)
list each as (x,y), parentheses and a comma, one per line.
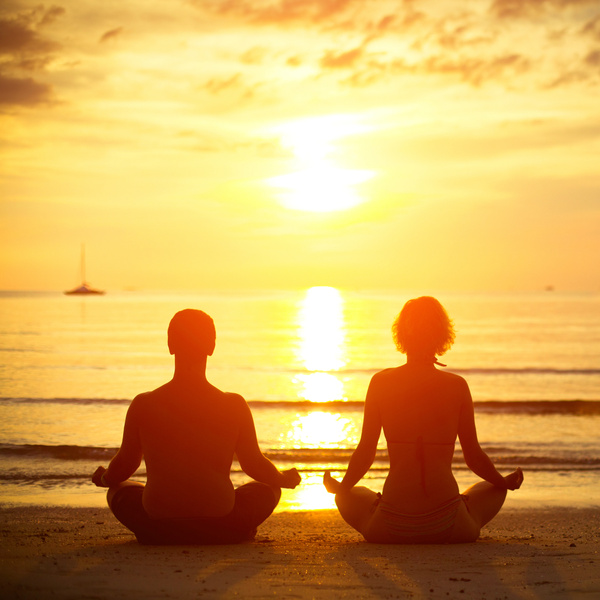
(129,457)
(253,462)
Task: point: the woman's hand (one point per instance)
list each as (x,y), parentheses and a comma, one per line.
(331,485)
(97,477)
(291,478)
(514,480)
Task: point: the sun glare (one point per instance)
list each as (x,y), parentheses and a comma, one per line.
(322,188)
(319,185)
(312,139)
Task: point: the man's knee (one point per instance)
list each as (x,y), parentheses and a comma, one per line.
(267,494)
(276,494)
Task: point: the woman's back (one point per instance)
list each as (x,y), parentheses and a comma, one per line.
(420,409)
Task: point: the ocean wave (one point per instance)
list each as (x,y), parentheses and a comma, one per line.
(460,371)
(539,407)
(323,457)
(78,401)
(527,407)
(60,452)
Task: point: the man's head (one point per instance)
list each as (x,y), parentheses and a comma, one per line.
(191,332)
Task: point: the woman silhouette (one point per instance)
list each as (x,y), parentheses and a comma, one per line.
(422,411)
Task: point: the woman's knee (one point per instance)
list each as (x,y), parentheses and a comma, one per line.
(465,529)
(356,506)
(484,501)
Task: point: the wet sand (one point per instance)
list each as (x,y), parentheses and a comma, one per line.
(82,553)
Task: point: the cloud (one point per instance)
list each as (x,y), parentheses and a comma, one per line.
(515,9)
(23,48)
(587,71)
(592,28)
(216,85)
(278,12)
(50,15)
(231,90)
(593,59)
(24,92)
(473,71)
(110,35)
(478,71)
(254,56)
(209,142)
(18,34)
(342,60)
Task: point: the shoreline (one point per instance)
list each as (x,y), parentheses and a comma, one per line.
(67,552)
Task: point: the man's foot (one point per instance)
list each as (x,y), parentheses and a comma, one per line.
(331,485)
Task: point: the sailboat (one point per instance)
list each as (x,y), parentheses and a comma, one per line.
(85,289)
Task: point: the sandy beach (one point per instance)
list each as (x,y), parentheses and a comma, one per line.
(85,553)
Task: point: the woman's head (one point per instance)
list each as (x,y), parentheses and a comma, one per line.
(423,328)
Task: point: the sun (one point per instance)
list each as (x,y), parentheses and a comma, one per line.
(319,185)
(323,188)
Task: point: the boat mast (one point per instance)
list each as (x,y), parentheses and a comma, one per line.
(82,263)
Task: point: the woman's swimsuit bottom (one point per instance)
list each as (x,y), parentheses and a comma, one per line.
(432,526)
(254,502)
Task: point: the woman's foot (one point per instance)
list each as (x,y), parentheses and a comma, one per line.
(331,485)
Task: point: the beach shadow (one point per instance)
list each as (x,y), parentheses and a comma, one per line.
(111,569)
(475,570)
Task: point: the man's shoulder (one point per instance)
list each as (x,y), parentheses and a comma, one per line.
(231,398)
(145,397)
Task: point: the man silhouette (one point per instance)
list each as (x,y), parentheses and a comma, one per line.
(188,431)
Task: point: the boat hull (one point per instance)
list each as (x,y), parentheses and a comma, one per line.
(84,290)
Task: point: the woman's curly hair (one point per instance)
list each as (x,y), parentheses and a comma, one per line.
(423,327)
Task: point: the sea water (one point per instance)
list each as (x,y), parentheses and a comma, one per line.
(69,367)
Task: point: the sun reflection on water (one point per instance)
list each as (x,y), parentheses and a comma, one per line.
(322,344)
(309,495)
(320,429)
(322,337)
(320,387)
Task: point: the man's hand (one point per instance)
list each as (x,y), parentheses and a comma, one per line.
(97,477)
(514,480)
(291,478)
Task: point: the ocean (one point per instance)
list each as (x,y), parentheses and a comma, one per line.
(69,367)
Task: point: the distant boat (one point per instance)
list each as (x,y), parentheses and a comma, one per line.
(85,289)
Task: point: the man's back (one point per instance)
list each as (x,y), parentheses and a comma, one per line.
(188,437)
(188,431)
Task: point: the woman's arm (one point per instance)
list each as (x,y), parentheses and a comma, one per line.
(364,455)
(475,457)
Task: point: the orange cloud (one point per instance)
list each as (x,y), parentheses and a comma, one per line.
(22,48)
(282,12)
(110,35)
(342,60)
(216,85)
(514,9)
(23,91)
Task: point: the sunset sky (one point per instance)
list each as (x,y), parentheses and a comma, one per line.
(206,144)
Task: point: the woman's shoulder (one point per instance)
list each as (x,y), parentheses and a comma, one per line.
(386,374)
(452,379)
